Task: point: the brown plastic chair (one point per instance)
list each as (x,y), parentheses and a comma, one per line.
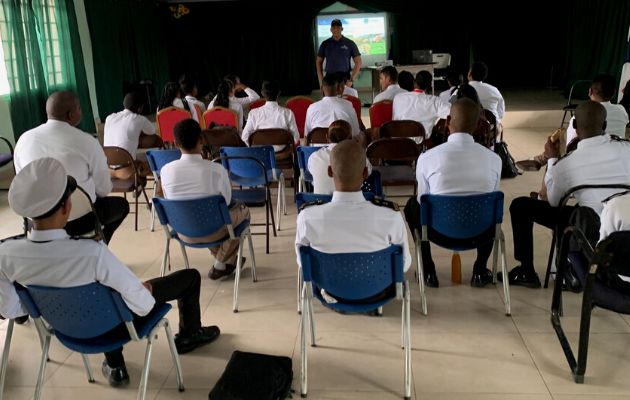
(213,139)
(278,137)
(396,150)
(118,158)
(402,129)
(317,136)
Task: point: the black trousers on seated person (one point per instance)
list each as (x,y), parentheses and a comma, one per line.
(183,286)
(111,212)
(412,215)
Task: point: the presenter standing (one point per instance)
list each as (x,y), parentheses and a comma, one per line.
(337,51)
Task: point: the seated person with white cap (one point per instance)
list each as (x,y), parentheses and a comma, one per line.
(49,257)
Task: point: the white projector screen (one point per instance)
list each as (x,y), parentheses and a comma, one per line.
(367,30)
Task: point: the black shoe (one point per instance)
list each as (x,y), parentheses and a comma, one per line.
(571,282)
(215,274)
(21,320)
(482,279)
(117,377)
(431,279)
(203,336)
(519,276)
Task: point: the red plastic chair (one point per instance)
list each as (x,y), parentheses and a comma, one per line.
(220,116)
(380,113)
(166,120)
(356,104)
(257,103)
(200,116)
(299,105)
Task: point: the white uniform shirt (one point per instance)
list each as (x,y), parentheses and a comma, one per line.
(458,167)
(350,91)
(490,97)
(597,160)
(616,121)
(615,216)
(318,164)
(192,177)
(123,129)
(446,95)
(329,109)
(420,107)
(351,224)
(236,107)
(270,116)
(192,101)
(389,93)
(79,153)
(59,261)
(251,97)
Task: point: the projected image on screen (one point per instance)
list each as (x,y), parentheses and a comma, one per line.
(368,31)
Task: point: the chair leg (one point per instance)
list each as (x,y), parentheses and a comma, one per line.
(251,254)
(506,280)
(42,368)
(303,347)
(267,226)
(273,220)
(309,310)
(185,255)
(550,260)
(136,205)
(5,356)
(166,258)
(420,274)
(300,284)
(279,202)
(407,325)
(284,197)
(173,349)
(237,277)
(144,380)
(152,219)
(88,369)
(495,257)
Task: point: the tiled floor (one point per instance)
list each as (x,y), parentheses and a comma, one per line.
(464,349)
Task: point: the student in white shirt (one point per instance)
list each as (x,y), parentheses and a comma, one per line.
(171,97)
(615,215)
(406,80)
(49,257)
(458,167)
(490,97)
(454,79)
(388,79)
(272,116)
(420,106)
(331,108)
(225,98)
(242,94)
(81,155)
(126,128)
(189,90)
(192,177)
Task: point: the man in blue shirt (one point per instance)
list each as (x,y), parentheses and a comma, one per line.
(337,51)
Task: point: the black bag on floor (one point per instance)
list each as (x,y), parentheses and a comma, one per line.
(253,376)
(508,166)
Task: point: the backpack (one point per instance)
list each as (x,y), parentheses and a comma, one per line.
(611,256)
(253,376)
(508,166)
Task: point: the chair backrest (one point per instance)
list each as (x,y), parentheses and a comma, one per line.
(299,105)
(380,113)
(258,103)
(356,104)
(303,153)
(220,116)
(81,312)
(402,128)
(372,184)
(353,276)
(571,192)
(579,91)
(159,158)
(461,217)
(318,136)
(261,137)
(402,149)
(304,197)
(441,60)
(245,162)
(193,217)
(166,120)
(199,113)
(117,157)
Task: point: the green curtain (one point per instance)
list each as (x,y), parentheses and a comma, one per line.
(42,54)
(128,47)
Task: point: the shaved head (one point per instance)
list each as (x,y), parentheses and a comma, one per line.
(590,119)
(464,116)
(348,166)
(64,106)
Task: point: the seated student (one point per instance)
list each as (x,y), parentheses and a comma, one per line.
(172,97)
(49,257)
(242,94)
(388,79)
(124,129)
(319,161)
(349,223)
(454,79)
(598,159)
(458,167)
(192,177)
(225,98)
(615,215)
(490,97)
(406,81)
(189,89)
(331,108)
(272,116)
(347,86)
(81,155)
(419,106)
(625,99)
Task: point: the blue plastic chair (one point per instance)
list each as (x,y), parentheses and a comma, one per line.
(352,278)
(198,218)
(303,154)
(462,223)
(157,159)
(373,184)
(85,318)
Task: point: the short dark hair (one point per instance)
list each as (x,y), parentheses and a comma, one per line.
(604,86)
(232,78)
(390,72)
(339,130)
(405,80)
(134,101)
(423,80)
(187,85)
(270,90)
(479,71)
(331,80)
(454,78)
(187,133)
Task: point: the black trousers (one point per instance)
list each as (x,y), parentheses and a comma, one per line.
(412,215)
(183,286)
(111,212)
